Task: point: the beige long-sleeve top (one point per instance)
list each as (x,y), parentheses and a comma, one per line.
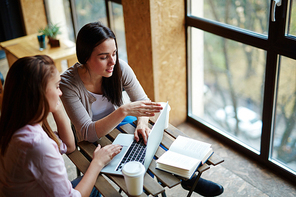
(77,100)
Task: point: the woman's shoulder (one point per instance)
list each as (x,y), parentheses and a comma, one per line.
(34,139)
(125,68)
(122,64)
(70,74)
(70,78)
(30,135)
(28,138)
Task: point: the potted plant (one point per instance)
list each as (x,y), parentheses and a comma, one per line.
(51,31)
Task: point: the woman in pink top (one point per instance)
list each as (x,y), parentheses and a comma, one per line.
(31,163)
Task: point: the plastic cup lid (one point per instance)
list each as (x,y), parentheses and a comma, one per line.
(133,168)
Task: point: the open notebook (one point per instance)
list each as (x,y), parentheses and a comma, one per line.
(143,153)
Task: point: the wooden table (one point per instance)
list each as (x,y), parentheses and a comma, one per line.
(29,46)
(82,156)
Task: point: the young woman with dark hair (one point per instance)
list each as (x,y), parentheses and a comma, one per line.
(31,163)
(92,89)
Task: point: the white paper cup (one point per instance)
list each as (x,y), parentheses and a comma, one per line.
(168,114)
(133,173)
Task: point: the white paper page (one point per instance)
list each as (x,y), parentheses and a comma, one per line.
(190,147)
(178,160)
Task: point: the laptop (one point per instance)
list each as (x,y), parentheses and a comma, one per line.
(146,152)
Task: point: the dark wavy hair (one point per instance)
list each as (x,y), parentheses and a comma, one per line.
(24,100)
(90,36)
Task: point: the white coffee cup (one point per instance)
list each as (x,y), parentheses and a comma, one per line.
(168,114)
(133,173)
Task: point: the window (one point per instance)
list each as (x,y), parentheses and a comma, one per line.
(242,76)
(284,136)
(71,15)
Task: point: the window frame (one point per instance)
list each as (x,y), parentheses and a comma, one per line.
(275,43)
(74,14)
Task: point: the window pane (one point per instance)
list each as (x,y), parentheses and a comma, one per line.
(117,25)
(284,139)
(227,80)
(58,12)
(69,23)
(246,14)
(291,19)
(90,11)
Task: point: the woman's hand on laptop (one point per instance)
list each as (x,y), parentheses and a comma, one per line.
(142,129)
(104,155)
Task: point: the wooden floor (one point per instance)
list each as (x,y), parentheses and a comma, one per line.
(239,176)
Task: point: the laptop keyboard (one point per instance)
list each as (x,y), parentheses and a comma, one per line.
(136,152)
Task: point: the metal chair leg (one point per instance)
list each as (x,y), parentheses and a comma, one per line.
(78,172)
(194,185)
(163,194)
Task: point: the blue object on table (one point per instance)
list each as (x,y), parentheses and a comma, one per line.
(42,43)
(126,120)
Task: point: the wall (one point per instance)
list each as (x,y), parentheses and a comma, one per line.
(155,39)
(34,16)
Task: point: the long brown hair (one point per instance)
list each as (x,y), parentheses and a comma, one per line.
(24,100)
(90,36)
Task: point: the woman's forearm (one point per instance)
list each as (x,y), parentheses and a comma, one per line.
(140,109)
(64,129)
(86,184)
(101,157)
(108,123)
